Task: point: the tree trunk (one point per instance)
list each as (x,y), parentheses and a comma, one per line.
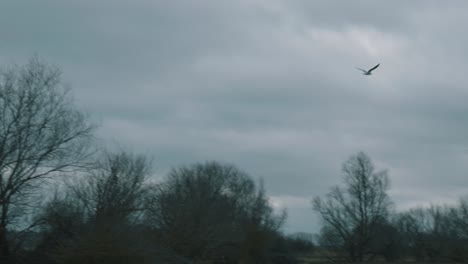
(4,248)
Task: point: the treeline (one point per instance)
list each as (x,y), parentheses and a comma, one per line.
(204,212)
(107,208)
(360,223)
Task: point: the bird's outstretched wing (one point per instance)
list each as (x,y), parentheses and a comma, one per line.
(375,67)
(361,69)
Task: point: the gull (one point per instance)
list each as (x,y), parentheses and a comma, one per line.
(369,72)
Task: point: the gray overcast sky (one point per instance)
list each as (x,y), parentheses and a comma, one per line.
(268,85)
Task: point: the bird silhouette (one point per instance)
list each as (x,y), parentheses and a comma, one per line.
(369,72)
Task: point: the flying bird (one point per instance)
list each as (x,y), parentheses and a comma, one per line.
(369,72)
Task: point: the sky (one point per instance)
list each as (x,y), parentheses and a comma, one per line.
(267,85)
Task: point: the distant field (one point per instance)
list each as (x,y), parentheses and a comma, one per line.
(314,260)
(317,259)
(311,259)
(303,260)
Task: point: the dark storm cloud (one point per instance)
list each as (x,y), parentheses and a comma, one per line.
(268,85)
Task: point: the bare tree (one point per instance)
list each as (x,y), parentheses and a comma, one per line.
(352,214)
(461,217)
(41,135)
(434,233)
(211,209)
(259,225)
(114,192)
(100,213)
